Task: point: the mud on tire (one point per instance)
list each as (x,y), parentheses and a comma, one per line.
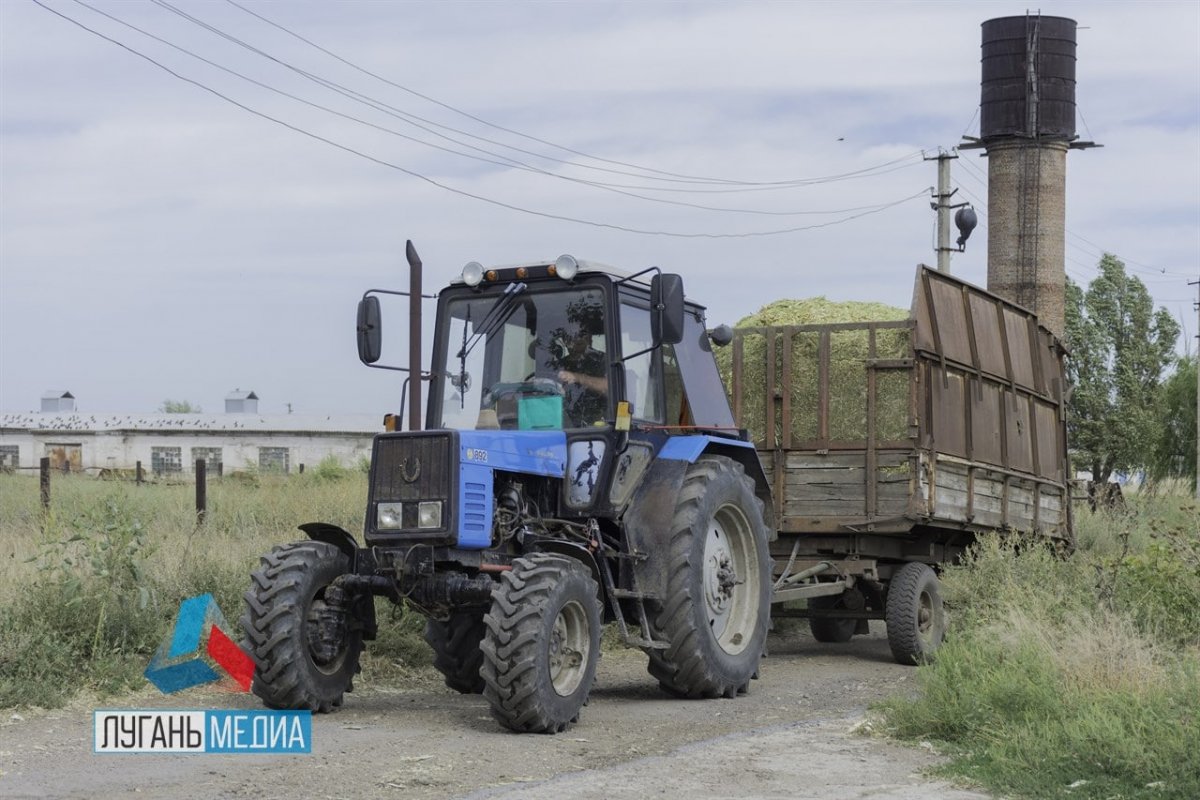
(456,652)
(718,585)
(542,643)
(286,595)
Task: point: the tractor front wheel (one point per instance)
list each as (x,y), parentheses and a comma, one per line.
(542,643)
(304,646)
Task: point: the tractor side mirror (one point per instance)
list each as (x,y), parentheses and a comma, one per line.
(370,330)
(666,308)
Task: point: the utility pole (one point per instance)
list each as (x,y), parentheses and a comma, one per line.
(1197,285)
(942,206)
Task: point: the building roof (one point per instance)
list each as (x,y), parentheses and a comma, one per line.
(57,394)
(238,394)
(359,424)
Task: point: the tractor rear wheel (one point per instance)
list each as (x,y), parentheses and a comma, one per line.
(305,649)
(542,643)
(715,612)
(456,652)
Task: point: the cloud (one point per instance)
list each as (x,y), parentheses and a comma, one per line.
(156,241)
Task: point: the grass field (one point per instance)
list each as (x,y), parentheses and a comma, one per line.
(88,591)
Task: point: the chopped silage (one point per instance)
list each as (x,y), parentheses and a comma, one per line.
(849,351)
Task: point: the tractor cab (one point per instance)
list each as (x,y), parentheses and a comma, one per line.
(571,345)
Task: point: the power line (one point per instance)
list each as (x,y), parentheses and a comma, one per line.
(461,192)
(1098,250)
(507,162)
(496,126)
(408,117)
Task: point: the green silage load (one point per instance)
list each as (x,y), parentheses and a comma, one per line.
(849,351)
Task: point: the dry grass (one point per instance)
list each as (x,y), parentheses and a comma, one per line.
(90,589)
(1076,677)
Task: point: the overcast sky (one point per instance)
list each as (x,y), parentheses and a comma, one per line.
(157,241)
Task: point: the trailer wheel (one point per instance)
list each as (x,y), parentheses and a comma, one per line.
(826,630)
(916,619)
(305,652)
(718,589)
(542,643)
(456,652)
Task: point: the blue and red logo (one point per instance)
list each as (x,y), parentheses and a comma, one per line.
(198,651)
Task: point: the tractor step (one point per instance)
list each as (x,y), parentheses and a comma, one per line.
(615,596)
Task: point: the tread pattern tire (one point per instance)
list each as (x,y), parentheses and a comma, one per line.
(289,582)
(528,604)
(916,618)
(830,631)
(695,664)
(456,652)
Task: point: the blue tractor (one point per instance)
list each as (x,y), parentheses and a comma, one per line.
(579,465)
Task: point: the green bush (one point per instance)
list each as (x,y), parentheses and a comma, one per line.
(1071,677)
(328,469)
(89,591)
(90,610)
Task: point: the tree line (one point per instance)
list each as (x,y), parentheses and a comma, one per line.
(1132,402)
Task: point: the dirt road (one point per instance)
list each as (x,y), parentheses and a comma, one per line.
(790,737)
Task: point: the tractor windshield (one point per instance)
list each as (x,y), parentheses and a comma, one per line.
(529,360)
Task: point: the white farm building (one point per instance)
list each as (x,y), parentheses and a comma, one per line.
(172,443)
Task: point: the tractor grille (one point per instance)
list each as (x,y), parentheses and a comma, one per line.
(412,467)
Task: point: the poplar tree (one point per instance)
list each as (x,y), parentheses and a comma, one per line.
(1120,348)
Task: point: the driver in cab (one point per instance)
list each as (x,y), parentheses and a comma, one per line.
(583,371)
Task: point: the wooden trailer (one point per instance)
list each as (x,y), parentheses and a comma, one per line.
(890,445)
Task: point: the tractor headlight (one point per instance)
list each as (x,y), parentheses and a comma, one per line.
(566,267)
(388,517)
(472,273)
(429,514)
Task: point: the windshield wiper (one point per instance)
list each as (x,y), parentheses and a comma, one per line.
(496,316)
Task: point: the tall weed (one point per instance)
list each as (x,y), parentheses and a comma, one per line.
(1072,677)
(88,591)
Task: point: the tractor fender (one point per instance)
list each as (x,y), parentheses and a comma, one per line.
(647,518)
(364,608)
(575,551)
(332,534)
(689,448)
(647,524)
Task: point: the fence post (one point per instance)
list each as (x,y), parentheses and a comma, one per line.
(301,469)
(45,476)
(201,491)
(139,473)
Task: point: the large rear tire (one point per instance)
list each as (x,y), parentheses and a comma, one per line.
(284,614)
(715,613)
(916,618)
(542,643)
(456,652)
